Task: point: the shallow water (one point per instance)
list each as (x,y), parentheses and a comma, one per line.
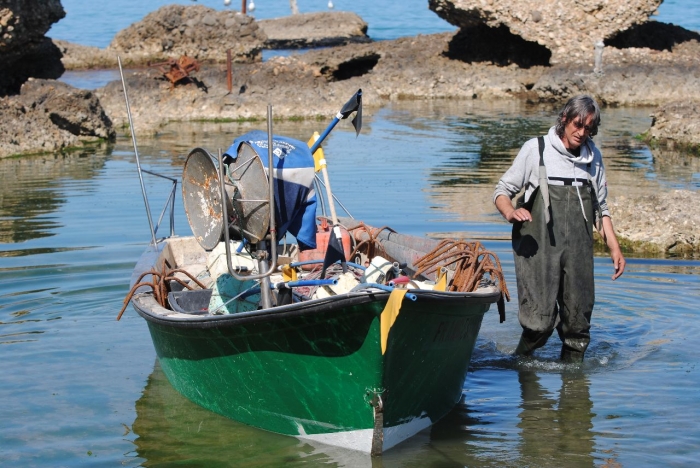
(80,389)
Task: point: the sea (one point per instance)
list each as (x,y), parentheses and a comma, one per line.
(80,389)
(96,23)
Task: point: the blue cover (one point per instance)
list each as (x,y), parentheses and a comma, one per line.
(295,197)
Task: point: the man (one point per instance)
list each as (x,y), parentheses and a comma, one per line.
(565,192)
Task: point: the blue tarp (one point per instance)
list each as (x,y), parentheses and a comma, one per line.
(295,197)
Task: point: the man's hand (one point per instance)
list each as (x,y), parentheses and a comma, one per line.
(505,207)
(521,214)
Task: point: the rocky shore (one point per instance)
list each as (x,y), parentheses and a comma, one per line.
(643,63)
(662,223)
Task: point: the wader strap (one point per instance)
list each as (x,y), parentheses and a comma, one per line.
(544,183)
(597,211)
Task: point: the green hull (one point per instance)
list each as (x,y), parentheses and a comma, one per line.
(316,370)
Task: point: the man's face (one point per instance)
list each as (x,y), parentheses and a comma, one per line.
(576,131)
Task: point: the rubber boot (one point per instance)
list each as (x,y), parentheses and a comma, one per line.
(572,356)
(523,348)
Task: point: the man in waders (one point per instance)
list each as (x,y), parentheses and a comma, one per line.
(565,193)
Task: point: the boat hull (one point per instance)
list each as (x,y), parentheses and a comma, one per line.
(316,370)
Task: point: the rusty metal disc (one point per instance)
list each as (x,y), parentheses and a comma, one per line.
(251,194)
(201,195)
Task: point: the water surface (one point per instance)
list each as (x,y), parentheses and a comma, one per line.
(80,389)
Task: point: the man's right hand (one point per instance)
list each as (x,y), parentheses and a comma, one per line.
(519,215)
(505,207)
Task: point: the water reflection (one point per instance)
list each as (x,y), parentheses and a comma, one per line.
(33,189)
(676,169)
(171,430)
(473,143)
(556,427)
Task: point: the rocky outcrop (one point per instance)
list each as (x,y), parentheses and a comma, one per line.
(49,116)
(308,30)
(24,50)
(199,32)
(567,28)
(676,125)
(301,85)
(660,222)
(80,57)
(308,85)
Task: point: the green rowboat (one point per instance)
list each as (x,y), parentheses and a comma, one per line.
(291,337)
(315,369)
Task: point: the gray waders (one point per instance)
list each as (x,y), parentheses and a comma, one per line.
(554,271)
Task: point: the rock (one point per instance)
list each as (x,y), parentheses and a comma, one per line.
(49,116)
(309,30)
(660,222)
(652,35)
(24,50)
(406,68)
(79,57)
(23,23)
(565,27)
(676,125)
(196,31)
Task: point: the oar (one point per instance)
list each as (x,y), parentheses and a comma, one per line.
(334,251)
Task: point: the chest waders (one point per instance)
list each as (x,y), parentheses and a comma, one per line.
(554,269)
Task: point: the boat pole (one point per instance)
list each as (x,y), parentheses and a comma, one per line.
(136,152)
(265,294)
(326,181)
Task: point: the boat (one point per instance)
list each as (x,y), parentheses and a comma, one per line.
(331,331)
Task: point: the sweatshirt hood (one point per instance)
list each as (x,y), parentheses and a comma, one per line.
(585,156)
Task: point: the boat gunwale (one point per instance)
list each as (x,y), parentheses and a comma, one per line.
(145,304)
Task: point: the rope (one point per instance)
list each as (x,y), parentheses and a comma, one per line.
(160,284)
(470,261)
(370,247)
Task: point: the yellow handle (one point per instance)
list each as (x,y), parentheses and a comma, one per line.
(319,158)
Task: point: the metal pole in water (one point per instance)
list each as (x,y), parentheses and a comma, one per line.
(136,152)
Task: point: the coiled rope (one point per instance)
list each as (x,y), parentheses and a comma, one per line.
(160,285)
(470,261)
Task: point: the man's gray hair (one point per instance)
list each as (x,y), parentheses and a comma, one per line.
(579,107)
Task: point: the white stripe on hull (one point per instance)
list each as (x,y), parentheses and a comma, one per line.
(361,439)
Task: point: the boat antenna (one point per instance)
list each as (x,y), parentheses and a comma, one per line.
(136,152)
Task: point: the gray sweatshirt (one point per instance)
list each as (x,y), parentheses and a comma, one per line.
(560,164)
